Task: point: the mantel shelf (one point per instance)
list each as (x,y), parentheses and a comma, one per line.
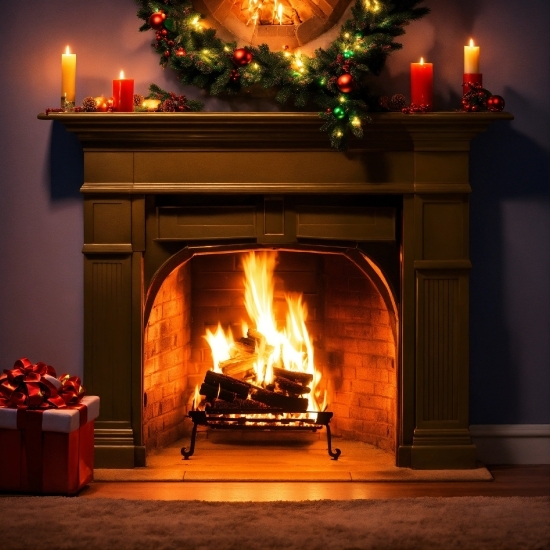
(269,131)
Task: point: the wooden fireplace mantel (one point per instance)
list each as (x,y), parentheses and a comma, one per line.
(135,162)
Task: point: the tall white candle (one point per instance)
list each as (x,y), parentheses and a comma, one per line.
(68,77)
(471,58)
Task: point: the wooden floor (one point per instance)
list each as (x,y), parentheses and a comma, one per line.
(508,481)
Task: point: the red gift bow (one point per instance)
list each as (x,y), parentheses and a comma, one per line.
(26,387)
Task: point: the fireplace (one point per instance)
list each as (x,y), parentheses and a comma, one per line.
(173,200)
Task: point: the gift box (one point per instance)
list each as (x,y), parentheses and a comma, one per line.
(48,451)
(46,430)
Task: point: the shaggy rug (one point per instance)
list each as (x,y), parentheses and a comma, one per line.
(420,523)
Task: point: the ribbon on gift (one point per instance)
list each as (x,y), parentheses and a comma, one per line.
(32,389)
(36,386)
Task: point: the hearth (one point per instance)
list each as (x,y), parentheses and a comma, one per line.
(168,197)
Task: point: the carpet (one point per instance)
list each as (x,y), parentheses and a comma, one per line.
(494,523)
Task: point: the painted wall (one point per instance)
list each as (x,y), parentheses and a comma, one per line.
(41,171)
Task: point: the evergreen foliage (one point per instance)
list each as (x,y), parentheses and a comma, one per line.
(360,49)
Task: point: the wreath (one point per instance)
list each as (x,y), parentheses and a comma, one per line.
(334,79)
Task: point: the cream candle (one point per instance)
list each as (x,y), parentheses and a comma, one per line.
(123,94)
(422,84)
(68,80)
(471,67)
(471,58)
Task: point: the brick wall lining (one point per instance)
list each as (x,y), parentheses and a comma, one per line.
(348,321)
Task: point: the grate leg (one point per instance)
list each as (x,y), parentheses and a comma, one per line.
(337,452)
(187,453)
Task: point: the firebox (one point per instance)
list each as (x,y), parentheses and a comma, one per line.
(375,239)
(308,329)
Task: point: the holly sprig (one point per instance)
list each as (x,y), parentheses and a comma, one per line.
(334,80)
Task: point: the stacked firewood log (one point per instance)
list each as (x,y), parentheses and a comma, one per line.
(234,388)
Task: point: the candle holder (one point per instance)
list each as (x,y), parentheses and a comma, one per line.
(67,106)
(471,78)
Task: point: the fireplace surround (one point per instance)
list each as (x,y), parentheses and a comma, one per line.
(163,190)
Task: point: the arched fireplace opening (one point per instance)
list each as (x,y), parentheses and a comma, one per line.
(352,322)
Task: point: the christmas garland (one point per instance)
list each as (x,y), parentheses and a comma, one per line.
(335,79)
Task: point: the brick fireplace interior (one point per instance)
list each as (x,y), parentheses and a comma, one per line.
(377,239)
(352,329)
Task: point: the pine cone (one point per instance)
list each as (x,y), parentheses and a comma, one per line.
(88,105)
(397,102)
(138,100)
(168,106)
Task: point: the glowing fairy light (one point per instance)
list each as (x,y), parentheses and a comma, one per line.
(372,5)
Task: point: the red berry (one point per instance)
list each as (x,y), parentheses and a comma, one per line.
(166,53)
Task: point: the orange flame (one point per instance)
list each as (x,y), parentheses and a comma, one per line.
(220,343)
(290,348)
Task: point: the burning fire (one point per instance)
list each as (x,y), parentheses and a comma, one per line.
(288,348)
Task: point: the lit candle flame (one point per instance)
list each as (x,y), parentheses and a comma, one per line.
(68,50)
(471,42)
(422,61)
(280,10)
(121,75)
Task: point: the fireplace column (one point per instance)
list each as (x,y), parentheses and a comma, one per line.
(114,242)
(436,301)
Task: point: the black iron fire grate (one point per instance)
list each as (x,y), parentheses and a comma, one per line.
(259,420)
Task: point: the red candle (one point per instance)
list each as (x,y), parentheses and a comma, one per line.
(422,83)
(123,94)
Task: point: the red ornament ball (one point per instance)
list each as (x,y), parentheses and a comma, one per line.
(241,57)
(156,20)
(495,103)
(345,83)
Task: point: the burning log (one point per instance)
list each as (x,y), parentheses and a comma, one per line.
(244,346)
(261,342)
(237,404)
(302,378)
(286,385)
(279,401)
(228,383)
(216,392)
(238,365)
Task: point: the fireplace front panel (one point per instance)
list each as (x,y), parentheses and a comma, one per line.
(153,183)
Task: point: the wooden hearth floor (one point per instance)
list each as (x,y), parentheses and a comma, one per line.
(260,457)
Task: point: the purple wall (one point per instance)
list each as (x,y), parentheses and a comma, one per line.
(41,171)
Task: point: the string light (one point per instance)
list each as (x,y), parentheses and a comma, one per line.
(372,5)
(356,121)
